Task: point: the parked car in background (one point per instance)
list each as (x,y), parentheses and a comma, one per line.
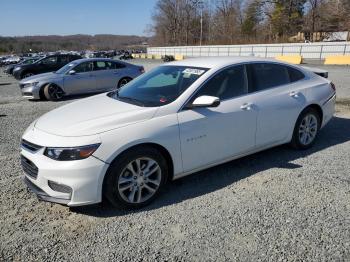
(174,120)
(126,56)
(83,76)
(27,61)
(13,59)
(47,64)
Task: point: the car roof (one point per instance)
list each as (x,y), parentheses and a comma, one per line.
(213,62)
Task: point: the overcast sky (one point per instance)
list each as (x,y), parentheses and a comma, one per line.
(65,17)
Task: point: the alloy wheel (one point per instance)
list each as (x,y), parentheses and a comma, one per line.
(139,180)
(308,129)
(55,92)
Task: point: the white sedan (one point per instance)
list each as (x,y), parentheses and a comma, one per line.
(175,120)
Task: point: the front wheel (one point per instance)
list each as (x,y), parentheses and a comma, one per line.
(306,129)
(135,178)
(53,92)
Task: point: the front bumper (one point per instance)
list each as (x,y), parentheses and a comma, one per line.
(42,195)
(31,92)
(83,178)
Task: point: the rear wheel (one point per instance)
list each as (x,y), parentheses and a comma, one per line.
(53,92)
(123,81)
(135,178)
(306,129)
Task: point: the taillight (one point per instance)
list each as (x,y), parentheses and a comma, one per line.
(333,87)
(142,70)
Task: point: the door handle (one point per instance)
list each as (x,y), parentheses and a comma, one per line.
(246,106)
(294,94)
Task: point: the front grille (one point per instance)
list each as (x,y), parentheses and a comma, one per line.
(29,167)
(30,146)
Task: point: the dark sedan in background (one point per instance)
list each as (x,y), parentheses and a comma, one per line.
(27,61)
(47,64)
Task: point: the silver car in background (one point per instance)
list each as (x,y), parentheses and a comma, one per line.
(81,76)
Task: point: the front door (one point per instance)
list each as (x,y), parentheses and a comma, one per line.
(211,135)
(82,81)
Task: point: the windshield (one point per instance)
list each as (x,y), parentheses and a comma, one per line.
(160,86)
(66,68)
(28,61)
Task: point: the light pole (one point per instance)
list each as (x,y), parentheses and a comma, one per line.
(200,3)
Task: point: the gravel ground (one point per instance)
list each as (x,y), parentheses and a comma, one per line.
(277,205)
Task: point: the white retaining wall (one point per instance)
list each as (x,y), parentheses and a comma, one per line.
(307,50)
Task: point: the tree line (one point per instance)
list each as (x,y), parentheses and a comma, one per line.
(71,42)
(194,22)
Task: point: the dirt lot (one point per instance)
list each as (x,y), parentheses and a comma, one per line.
(277,205)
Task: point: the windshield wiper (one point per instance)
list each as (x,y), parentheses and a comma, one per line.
(130,99)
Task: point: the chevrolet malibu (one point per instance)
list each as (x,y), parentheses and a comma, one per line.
(81,76)
(175,120)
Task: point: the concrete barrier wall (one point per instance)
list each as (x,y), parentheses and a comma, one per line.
(306,50)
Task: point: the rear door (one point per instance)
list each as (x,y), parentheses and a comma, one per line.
(48,64)
(62,61)
(278,96)
(106,75)
(83,81)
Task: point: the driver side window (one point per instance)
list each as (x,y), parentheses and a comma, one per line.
(83,67)
(227,84)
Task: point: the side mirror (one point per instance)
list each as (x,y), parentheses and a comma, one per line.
(206,101)
(71,72)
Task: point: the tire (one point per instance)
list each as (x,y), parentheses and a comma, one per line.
(26,74)
(124,81)
(125,186)
(306,129)
(53,92)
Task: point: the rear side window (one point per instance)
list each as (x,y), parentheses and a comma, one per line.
(100,65)
(295,74)
(266,75)
(50,60)
(73,57)
(117,65)
(114,65)
(64,59)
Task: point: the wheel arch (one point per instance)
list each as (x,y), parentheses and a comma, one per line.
(316,107)
(156,146)
(124,77)
(41,90)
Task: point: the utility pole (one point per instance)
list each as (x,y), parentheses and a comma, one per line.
(200,3)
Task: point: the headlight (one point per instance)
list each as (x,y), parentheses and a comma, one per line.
(70,153)
(17,68)
(30,84)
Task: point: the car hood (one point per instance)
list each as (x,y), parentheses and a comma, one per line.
(92,116)
(41,77)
